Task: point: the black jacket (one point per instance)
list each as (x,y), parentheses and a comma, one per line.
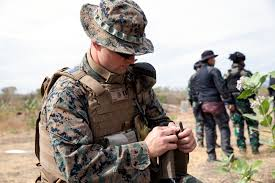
(271,82)
(193,88)
(212,86)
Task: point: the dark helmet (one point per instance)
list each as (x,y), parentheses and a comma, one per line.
(197,65)
(237,57)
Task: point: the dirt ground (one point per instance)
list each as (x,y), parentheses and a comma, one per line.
(20,168)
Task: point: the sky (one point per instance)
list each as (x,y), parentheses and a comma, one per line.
(38,37)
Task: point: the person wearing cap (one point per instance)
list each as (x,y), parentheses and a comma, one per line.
(242,106)
(193,99)
(101,121)
(213,94)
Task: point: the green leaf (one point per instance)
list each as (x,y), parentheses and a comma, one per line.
(224,170)
(254,171)
(267,121)
(240,166)
(242,181)
(272,86)
(272,74)
(273,174)
(229,159)
(255,165)
(257,78)
(262,79)
(245,94)
(251,116)
(264,107)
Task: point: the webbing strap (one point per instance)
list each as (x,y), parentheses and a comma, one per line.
(88,81)
(78,74)
(37,147)
(93,84)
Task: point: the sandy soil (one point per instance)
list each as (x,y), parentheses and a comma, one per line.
(20,168)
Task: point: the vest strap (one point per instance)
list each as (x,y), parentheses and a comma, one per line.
(93,84)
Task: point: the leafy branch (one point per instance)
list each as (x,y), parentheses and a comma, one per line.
(241,167)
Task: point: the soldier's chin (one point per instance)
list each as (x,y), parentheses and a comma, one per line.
(122,70)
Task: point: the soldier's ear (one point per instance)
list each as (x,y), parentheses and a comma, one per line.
(96,46)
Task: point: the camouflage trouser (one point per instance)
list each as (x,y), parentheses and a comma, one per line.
(199,122)
(242,106)
(221,120)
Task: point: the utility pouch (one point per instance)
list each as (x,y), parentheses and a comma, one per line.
(181,160)
(213,108)
(173,164)
(125,137)
(167,165)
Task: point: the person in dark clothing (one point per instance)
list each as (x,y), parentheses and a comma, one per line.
(242,106)
(213,93)
(272,91)
(194,102)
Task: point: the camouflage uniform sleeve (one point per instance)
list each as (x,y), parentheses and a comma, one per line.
(154,111)
(75,154)
(221,86)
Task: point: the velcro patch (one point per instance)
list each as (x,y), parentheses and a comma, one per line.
(119,94)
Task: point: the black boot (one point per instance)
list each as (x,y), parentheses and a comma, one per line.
(212,157)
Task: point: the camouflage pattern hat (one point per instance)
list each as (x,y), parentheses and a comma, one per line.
(117,25)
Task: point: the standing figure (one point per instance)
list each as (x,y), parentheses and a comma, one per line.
(101,120)
(242,106)
(272,92)
(194,102)
(211,87)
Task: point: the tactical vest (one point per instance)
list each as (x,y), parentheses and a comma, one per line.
(111,110)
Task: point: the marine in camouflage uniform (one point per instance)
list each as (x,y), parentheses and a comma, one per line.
(194,102)
(242,106)
(90,127)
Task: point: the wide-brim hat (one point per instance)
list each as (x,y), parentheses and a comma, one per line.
(207,54)
(117,25)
